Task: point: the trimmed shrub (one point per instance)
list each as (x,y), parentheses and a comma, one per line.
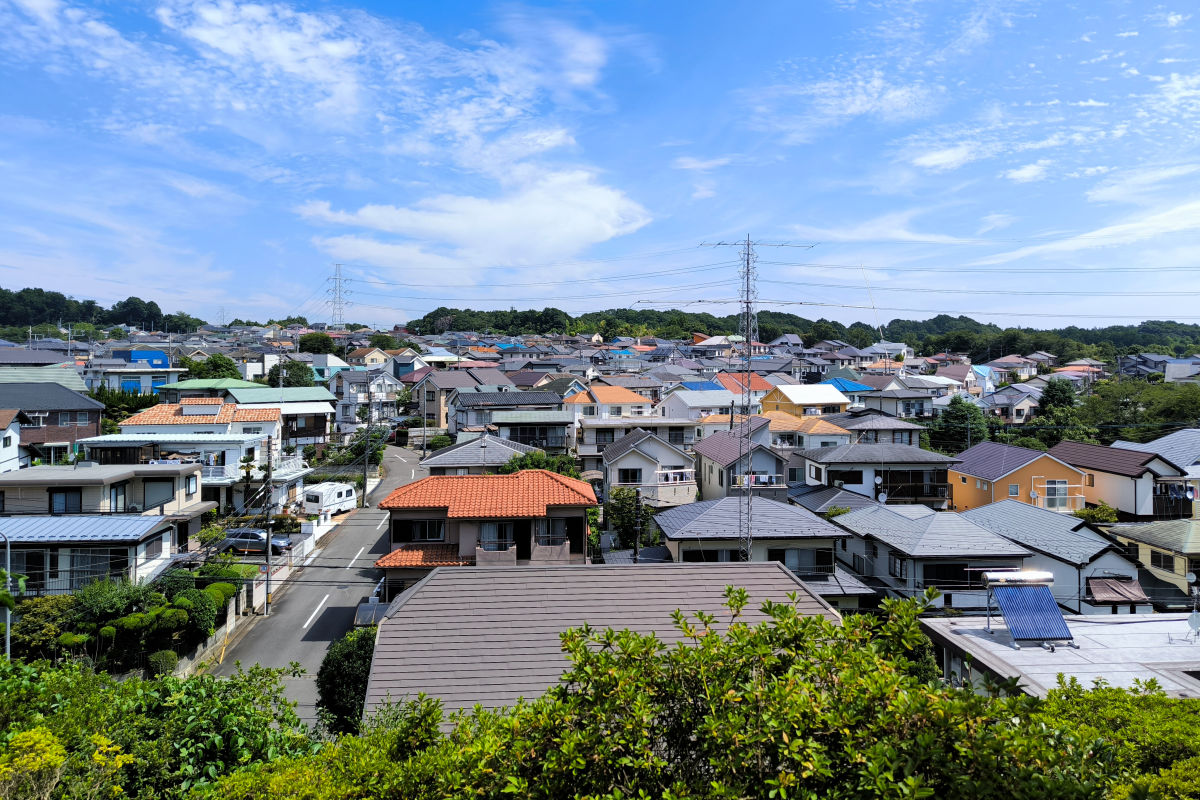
(203,614)
(342,679)
(108,632)
(173,619)
(184,603)
(174,581)
(131,623)
(222,590)
(69,640)
(161,662)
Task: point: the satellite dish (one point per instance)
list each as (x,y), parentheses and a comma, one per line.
(1033,495)
(1191,493)
(1194,620)
(878,480)
(1190,577)
(882,497)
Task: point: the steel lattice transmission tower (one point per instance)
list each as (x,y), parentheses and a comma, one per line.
(748,329)
(337,292)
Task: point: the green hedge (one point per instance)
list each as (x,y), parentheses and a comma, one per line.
(161,662)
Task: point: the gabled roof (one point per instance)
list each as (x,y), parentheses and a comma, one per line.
(991,461)
(63,374)
(485,450)
(875,454)
(528,493)
(726,447)
(783,421)
(631,440)
(172,414)
(871,421)
(702,386)
(711,399)
(44,397)
(718,519)
(819,499)
(607,395)
(1181,447)
(942,534)
(1130,463)
(528,398)
(812,394)
(8,415)
(1176,535)
(735,382)
(1061,536)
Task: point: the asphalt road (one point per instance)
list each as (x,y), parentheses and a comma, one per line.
(316,604)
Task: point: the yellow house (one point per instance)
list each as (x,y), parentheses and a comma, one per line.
(810,399)
(990,472)
(1169,549)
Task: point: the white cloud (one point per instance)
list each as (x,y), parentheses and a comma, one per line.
(1029,173)
(1135,186)
(947,158)
(1091,103)
(703,190)
(1126,34)
(1174,20)
(995,222)
(700,165)
(892,227)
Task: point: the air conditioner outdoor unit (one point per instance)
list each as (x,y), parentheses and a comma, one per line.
(839,484)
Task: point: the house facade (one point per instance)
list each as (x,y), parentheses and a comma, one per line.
(663,473)
(57,418)
(991,472)
(727,464)
(1137,484)
(807,399)
(894,474)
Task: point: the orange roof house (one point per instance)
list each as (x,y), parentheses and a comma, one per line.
(608,396)
(734,381)
(201,411)
(529,493)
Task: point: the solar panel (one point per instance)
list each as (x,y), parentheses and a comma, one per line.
(1031,613)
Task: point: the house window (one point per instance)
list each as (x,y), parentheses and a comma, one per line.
(1,502)
(496,536)
(986,486)
(88,565)
(830,409)
(116,498)
(157,492)
(550,532)
(429,530)
(1056,495)
(794,474)
(675,436)
(589,411)
(721,478)
(193,483)
(252,429)
(850,476)
(897,566)
(614,411)
(1162,560)
(153,548)
(1089,479)
(604,436)
(66,501)
(8,441)
(430,396)
(629,476)
(1014,490)
(37,419)
(815,472)
(873,550)
(963,478)
(31,564)
(829,444)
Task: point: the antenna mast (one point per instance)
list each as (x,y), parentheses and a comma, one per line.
(748,328)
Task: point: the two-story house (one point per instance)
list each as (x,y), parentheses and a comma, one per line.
(604,402)
(708,531)
(891,473)
(808,399)
(431,394)
(136,371)
(532,517)
(57,418)
(1015,404)
(990,472)
(1168,550)
(647,386)
(663,473)
(472,408)
(366,357)
(11,455)
(906,549)
(876,427)
(1138,484)
(692,404)
(730,463)
(364,397)
(306,411)
(735,382)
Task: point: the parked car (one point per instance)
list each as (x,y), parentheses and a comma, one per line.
(254,540)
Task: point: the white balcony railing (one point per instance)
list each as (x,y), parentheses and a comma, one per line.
(220,473)
(758,481)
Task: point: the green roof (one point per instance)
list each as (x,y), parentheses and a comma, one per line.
(289,394)
(55,373)
(212,383)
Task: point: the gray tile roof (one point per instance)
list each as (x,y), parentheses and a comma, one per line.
(528,398)
(626,443)
(993,460)
(719,519)
(451,379)
(876,454)
(726,447)
(943,534)
(852,421)
(819,499)
(64,374)
(468,635)
(1130,463)
(1176,535)
(44,397)
(1180,447)
(82,528)
(487,451)
(1061,536)
(655,554)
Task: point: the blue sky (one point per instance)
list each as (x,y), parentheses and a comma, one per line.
(1026,163)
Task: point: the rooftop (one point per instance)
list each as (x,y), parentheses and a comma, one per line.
(487,451)
(993,460)
(1130,463)
(82,528)
(529,493)
(718,520)
(939,534)
(1062,536)
(877,454)
(88,474)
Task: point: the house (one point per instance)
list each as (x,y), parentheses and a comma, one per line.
(1137,484)
(820,499)
(876,427)
(735,382)
(595,435)
(533,517)
(202,387)
(1014,366)
(814,399)
(729,462)
(853,390)
(325,366)
(135,371)
(903,550)
(58,418)
(478,456)
(891,473)
(789,432)
(1015,404)
(432,392)
(364,398)
(474,407)
(964,374)
(1092,574)
(306,411)
(974,652)
(511,629)
(1168,550)
(804,543)
(366,357)
(663,473)
(11,455)
(550,430)
(1181,447)
(898,402)
(62,554)
(1043,359)
(688,404)
(647,386)
(604,402)
(403,362)
(991,472)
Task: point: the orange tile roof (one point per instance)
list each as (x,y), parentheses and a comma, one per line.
(478,349)
(201,401)
(733,382)
(172,414)
(424,554)
(713,419)
(608,395)
(528,493)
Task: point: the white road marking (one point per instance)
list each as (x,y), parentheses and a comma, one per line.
(382,522)
(412,474)
(356,555)
(314,613)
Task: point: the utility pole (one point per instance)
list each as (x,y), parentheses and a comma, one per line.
(270,502)
(367,443)
(7,590)
(749,331)
(637,526)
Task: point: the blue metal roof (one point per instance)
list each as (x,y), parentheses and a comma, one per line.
(702,386)
(70,528)
(1031,613)
(844,385)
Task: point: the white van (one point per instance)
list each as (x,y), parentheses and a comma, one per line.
(331,498)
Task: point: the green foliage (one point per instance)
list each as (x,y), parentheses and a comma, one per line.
(342,680)
(835,511)
(215,366)
(1059,393)
(295,374)
(202,616)
(286,321)
(383,341)
(161,662)
(961,425)
(39,622)
(1101,513)
(1059,423)
(316,343)
(119,405)
(621,515)
(104,599)
(1138,411)
(152,738)
(222,592)
(174,581)
(1029,442)
(562,464)
(440,441)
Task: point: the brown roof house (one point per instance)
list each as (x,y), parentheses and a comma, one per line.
(530,517)
(1136,483)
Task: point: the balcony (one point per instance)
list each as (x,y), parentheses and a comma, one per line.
(496,554)
(758,481)
(221,475)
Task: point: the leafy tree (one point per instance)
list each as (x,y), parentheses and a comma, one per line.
(961,425)
(182,322)
(215,366)
(440,441)
(295,374)
(286,321)
(316,343)
(562,464)
(1029,442)
(383,341)
(1059,393)
(621,514)
(1103,512)
(1057,423)
(40,622)
(119,404)
(342,680)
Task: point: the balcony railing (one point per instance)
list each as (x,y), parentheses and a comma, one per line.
(220,472)
(540,441)
(758,481)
